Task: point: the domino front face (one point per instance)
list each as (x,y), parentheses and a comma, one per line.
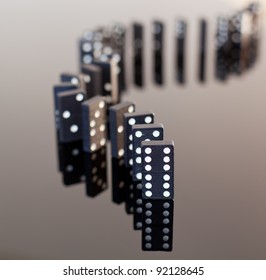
(143,132)
(117,130)
(157,169)
(70,119)
(94,124)
(129,121)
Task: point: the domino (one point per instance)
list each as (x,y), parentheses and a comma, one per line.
(92,76)
(158,212)
(70,119)
(116,124)
(222,49)
(255,10)
(57,89)
(157,169)
(71,78)
(86,48)
(110,79)
(94,121)
(202,50)
(71,162)
(138,50)
(235,51)
(181,35)
(157,238)
(95,172)
(119,58)
(158,49)
(129,120)
(143,132)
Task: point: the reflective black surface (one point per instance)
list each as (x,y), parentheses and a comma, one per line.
(218,129)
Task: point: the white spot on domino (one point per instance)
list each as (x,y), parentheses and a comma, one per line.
(93,146)
(108,87)
(103,141)
(101,104)
(74,81)
(166,185)
(148,119)
(166,167)
(87,59)
(87,47)
(66,114)
(148,159)
(97,114)
(138,151)
(148,185)
(166,177)
(156,133)
(166,194)
(102,127)
(166,159)
(138,134)
(130,147)
(139,176)
(138,160)
(74,128)
(79,97)
(166,150)
(87,78)
(132,121)
(148,177)
(148,167)
(130,109)
(92,123)
(148,151)
(121,152)
(148,193)
(120,129)
(93,132)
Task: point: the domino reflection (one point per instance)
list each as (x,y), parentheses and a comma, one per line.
(95,167)
(70,158)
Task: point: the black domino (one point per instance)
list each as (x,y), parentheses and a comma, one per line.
(202,50)
(70,117)
(58,89)
(94,121)
(86,48)
(138,50)
(157,169)
(143,132)
(222,49)
(158,52)
(105,67)
(235,51)
(180,59)
(116,124)
(92,76)
(129,120)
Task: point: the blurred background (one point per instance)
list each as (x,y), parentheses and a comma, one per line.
(218,129)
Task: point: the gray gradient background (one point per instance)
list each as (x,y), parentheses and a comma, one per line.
(218,129)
